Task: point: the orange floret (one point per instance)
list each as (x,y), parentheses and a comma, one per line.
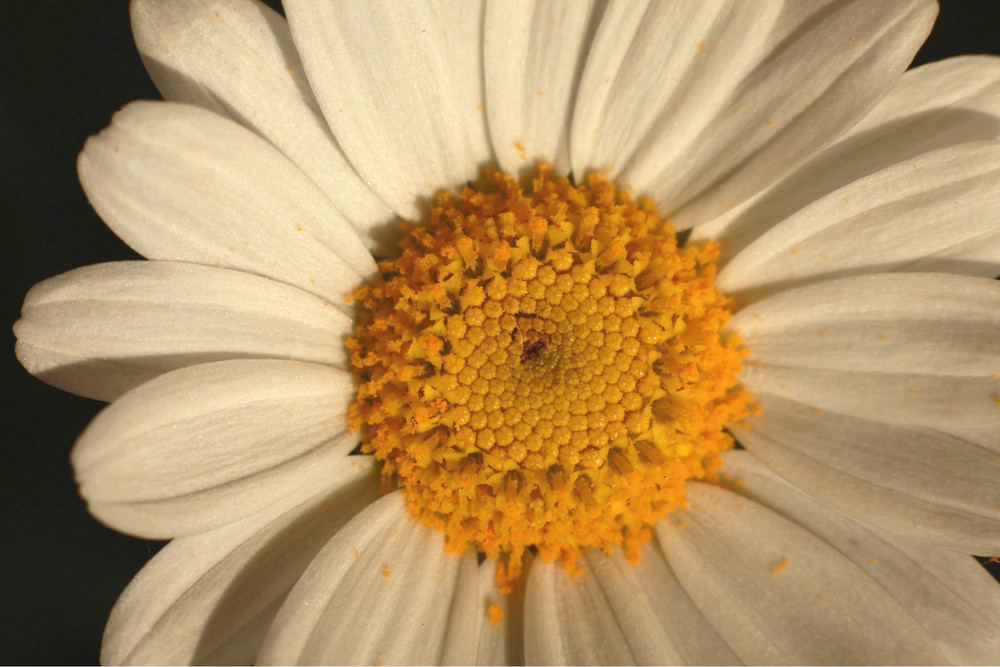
(545,369)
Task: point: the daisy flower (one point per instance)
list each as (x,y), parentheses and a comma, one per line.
(498,432)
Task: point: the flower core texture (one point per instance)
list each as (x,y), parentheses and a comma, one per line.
(545,369)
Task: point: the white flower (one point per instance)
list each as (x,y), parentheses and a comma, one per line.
(857,211)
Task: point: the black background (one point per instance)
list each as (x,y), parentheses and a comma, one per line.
(65,67)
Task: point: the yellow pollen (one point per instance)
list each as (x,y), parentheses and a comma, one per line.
(496,613)
(544,369)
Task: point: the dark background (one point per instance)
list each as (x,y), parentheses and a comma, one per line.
(65,67)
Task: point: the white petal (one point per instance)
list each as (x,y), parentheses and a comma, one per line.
(206,445)
(568,621)
(933,401)
(917,349)
(911,481)
(656,68)
(921,215)
(209,598)
(385,74)
(969,624)
(238,59)
(381,591)
(462,636)
(918,323)
(660,623)
(503,643)
(935,106)
(959,612)
(462,22)
(101,330)
(828,65)
(968,86)
(988,437)
(778,594)
(534,52)
(178,182)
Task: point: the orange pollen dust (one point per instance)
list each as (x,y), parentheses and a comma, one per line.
(545,369)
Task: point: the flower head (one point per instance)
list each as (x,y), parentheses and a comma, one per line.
(533,359)
(545,370)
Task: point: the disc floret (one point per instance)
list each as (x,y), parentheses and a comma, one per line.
(545,368)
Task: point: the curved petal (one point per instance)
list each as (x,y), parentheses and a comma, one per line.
(385,574)
(915,482)
(660,623)
(935,106)
(462,637)
(971,83)
(932,401)
(238,60)
(463,23)
(178,182)
(385,74)
(828,64)
(988,437)
(655,68)
(203,446)
(209,598)
(101,330)
(501,640)
(918,323)
(778,594)
(534,52)
(922,215)
(949,594)
(967,616)
(910,349)
(568,621)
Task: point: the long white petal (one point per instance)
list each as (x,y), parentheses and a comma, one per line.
(178,182)
(534,52)
(385,74)
(206,445)
(910,481)
(568,621)
(943,102)
(462,22)
(654,71)
(920,215)
(209,598)
(101,330)
(658,619)
(462,635)
(932,401)
(501,641)
(238,60)
(935,106)
(949,594)
(966,616)
(776,593)
(382,590)
(988,437)
(912,349)
(889,323)
(828,65)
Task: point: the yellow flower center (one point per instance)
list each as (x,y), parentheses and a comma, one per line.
(545,369)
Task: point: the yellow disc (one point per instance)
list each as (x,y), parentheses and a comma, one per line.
(545,368)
